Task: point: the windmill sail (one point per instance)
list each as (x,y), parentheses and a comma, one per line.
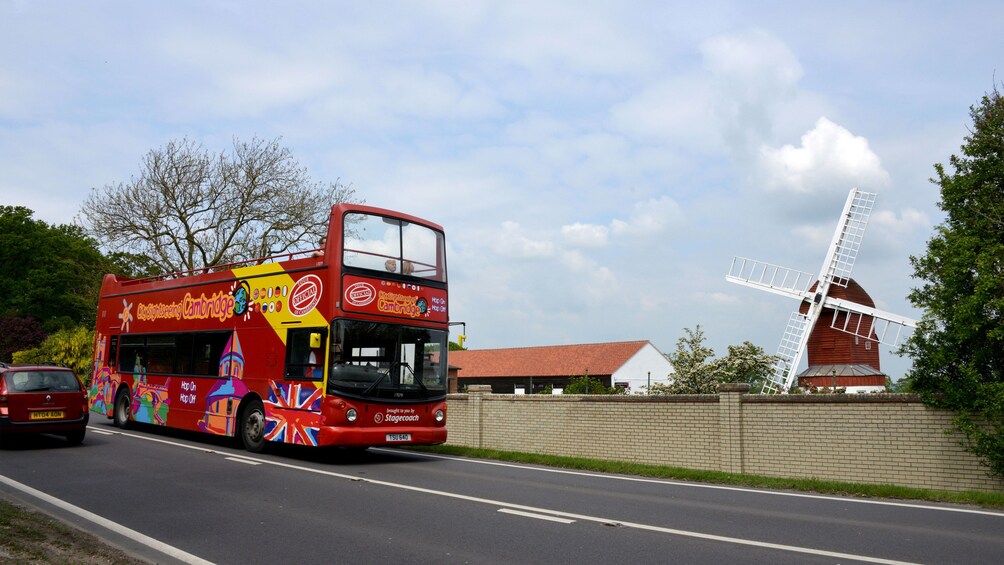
(846,242)
(850,317)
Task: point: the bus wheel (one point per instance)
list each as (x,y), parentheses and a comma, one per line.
(253,427)
(123,409)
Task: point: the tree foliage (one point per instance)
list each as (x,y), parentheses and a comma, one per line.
(747,363)
(51,273)
(72,347)
(588,385)
(958,348)
(694,368)
(18,333)
(697,371)
(188,208)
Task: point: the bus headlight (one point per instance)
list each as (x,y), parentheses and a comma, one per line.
(351,414)
(440,415)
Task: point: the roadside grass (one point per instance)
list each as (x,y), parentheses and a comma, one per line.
(984,499)
(32,537)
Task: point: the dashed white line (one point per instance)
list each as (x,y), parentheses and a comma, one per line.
(537,516)
(959,509)
(242,460)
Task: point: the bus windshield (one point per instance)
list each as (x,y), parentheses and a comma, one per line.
(372,360)
(392,245)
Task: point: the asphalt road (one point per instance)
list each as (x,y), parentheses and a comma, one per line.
(196,498)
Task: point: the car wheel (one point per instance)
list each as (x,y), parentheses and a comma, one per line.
(253,427)
(123,409)
(75,437)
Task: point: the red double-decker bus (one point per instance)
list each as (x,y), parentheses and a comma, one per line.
(345,345)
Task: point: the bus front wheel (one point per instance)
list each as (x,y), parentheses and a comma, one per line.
(123,408)
(253,427)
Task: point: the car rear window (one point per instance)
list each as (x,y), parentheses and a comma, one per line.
(41,381)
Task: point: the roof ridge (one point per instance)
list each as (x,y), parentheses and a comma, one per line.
(639,341)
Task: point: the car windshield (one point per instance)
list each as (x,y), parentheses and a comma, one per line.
(42,381)
(373,360)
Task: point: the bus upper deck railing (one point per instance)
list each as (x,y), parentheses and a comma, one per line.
(289,255)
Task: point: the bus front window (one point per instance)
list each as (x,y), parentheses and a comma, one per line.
(384,361)
(390,245)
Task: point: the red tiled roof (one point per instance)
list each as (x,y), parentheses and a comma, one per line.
(546,361)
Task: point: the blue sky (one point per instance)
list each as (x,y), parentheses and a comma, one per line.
(596,164)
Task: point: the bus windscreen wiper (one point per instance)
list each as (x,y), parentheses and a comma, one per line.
(377,382)
(414,377)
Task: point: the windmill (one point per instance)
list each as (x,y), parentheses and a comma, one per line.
(848,316)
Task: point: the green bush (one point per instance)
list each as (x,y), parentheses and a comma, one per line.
(72,347)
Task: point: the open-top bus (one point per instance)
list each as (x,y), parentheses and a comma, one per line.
(345,345)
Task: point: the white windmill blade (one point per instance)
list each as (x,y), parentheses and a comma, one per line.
(868,323)
(789,354)
(846,242)
(772,278)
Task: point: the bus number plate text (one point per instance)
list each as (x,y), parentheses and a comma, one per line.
(398,437)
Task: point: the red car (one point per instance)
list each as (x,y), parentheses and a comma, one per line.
(42,399)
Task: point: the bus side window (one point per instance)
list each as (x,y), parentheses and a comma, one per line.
(113,351)
(305,353)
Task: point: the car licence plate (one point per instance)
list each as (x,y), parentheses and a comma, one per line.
(398,437)
(46,415)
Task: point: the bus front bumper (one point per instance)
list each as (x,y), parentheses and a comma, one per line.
(380,436)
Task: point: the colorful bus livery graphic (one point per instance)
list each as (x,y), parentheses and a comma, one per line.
(293,349)
(392,298)
(220,306)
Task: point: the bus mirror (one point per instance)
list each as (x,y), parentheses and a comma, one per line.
(315,340)
(460,339)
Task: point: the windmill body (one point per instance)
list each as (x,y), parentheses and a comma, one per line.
(839,359)
(819,297)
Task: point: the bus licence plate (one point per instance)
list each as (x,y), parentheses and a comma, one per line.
(398,437)
(46,415)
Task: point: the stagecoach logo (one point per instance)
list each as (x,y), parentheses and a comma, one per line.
(305,295)
(396,416)
(360,294)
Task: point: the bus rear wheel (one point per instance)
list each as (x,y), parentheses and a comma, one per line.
(123,409)
(253,427)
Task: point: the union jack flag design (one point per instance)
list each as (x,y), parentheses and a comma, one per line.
(291,413)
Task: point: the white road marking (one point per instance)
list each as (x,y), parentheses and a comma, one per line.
(702,485)
(148,541)
(100,432)
(545,511)
(244,461)
(537,516)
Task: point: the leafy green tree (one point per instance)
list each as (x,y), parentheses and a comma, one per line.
(747,363)
(18,333)
(958,347)
(697,371)
(51,273)
(73,347)
(188,208)
(588,385)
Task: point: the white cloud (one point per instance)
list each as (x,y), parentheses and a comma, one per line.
(721,298)
(513,244)
(649,218)
(908,221)
(829,158)
(755,75)
(677,110)
(585,235)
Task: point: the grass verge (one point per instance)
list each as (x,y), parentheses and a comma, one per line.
(32,537)
(984,499)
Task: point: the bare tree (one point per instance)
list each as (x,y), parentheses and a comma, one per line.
(189,209)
